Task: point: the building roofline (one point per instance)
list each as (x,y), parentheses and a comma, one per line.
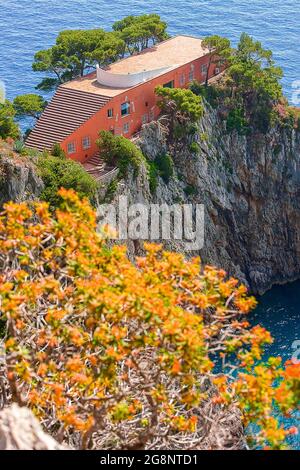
(144,51)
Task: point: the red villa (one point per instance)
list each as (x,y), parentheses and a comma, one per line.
(120,98)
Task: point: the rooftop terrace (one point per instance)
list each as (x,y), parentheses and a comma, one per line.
(166,55)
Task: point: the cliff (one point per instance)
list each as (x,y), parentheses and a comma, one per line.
(250,187)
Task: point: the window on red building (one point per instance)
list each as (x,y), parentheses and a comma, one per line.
(71,148)
(110,113)
(203,69)
(125,109)
(126,128)
(169,84)
(86,143)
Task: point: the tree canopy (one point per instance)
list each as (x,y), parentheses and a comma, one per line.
(180,100)
(139,32)
(78,51)
(118,151)
(58,171)
(29,105)
(253,70)
(219,49)
(8,127)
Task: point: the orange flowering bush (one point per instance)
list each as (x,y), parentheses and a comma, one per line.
(112,354)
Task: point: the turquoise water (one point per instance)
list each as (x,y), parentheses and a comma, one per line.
(30,25)
(279,312)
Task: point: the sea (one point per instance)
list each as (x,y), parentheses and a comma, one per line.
(27,26)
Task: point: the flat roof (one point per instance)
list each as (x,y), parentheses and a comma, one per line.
(173,53)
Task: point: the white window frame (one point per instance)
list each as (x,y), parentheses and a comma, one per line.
(71,148)
(110,113)
(126,127)
(127,104)
(204,69)
(191,76)
(182,79)
(86,142)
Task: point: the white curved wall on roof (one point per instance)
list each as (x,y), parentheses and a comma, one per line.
(116,80)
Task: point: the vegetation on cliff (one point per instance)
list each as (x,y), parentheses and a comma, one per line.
(54,168)
(118,151)
(99,347)
(180,100)
(249,91)
(8,126)
(62,172)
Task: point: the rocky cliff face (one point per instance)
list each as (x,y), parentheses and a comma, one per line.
(250,187)
(18,179)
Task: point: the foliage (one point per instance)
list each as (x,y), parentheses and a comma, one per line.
(139,32)
(190,190)
(118,151)
(179,130)
(57,151)
(255,81)
(252,69)
(165,166)
(180,100)
(60,172)
(110,191)
(153,173)
(288,116)
(194,147)
(29,105)
(219,49)
(8,127)
(210,93)
(236,120)
(76,52)
(109,352)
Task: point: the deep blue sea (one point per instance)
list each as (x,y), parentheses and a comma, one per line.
(27,26)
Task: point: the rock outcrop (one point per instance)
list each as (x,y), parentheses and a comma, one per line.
(20,430)
(18,179)
(250,187)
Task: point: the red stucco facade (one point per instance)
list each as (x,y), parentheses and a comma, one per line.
(143,109)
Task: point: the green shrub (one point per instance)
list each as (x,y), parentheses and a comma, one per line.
(165,166)
(119,151)
(190,190)
(111,189)
(209,93)
(187,103)
(236,120)
(57,151)
(59,172)
(8,127)
(194,147)
(153,173)
(179,131)
(19,147)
